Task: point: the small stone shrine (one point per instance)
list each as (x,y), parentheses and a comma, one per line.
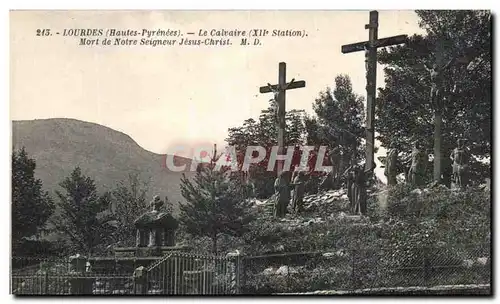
(155,233)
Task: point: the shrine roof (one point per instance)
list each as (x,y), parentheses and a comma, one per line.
(156,219)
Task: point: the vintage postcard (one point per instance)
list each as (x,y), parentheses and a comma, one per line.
(250,152)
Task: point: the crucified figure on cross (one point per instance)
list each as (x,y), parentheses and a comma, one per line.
(275,100)
(436,77)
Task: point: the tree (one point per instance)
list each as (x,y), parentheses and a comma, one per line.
(84,217)
(31,206)
(313,129)
(129,202)
(339,122)
(404,111)
(264,133)
(215,203)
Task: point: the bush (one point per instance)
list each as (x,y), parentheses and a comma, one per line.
(470,207)
(439,226)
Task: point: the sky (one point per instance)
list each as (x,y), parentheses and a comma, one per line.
(164,97)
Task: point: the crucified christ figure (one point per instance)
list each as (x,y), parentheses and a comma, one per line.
(275,100)
(436,77)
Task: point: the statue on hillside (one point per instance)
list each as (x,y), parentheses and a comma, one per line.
(335,158)
(156,203)
(390,170)
(350,174)
(357,178)
(460,158)
(282,194)
(361,177)
(418,159)
(298,192)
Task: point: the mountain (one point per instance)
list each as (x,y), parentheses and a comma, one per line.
(108,156)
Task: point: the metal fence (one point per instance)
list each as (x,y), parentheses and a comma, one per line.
(366,268)
(49,276)
(194,274)
(173,274)
(185,273)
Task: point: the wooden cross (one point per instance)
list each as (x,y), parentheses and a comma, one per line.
(370,48)
(279,91)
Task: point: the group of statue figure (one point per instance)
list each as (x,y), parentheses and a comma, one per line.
(357,176)
(457,164)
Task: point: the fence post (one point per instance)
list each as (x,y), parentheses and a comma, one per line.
(140,280)
(80,284)
(234,258)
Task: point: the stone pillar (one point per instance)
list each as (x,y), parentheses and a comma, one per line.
(140,280)
(138,238)
(152,238)
(77,263)
(163,237)
(235,270)
(78,267)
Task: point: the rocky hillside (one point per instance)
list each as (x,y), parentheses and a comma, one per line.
(106,155)
(325,249)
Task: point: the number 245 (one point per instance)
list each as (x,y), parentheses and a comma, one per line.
(44,32)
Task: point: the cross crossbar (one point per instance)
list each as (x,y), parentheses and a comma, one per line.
(361,46)
(288,86)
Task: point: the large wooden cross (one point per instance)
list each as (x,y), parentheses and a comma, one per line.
(279,91)
(370,48)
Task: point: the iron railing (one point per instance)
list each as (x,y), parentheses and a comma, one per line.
(186,273)
(49,276)
(362,268)
(195,274)
(174,274)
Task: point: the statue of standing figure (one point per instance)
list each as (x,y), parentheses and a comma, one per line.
(356,187)
(390,170)
(460,158)
(298,192)
(282,194)
(418,158)
(351,175)
(336,158)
